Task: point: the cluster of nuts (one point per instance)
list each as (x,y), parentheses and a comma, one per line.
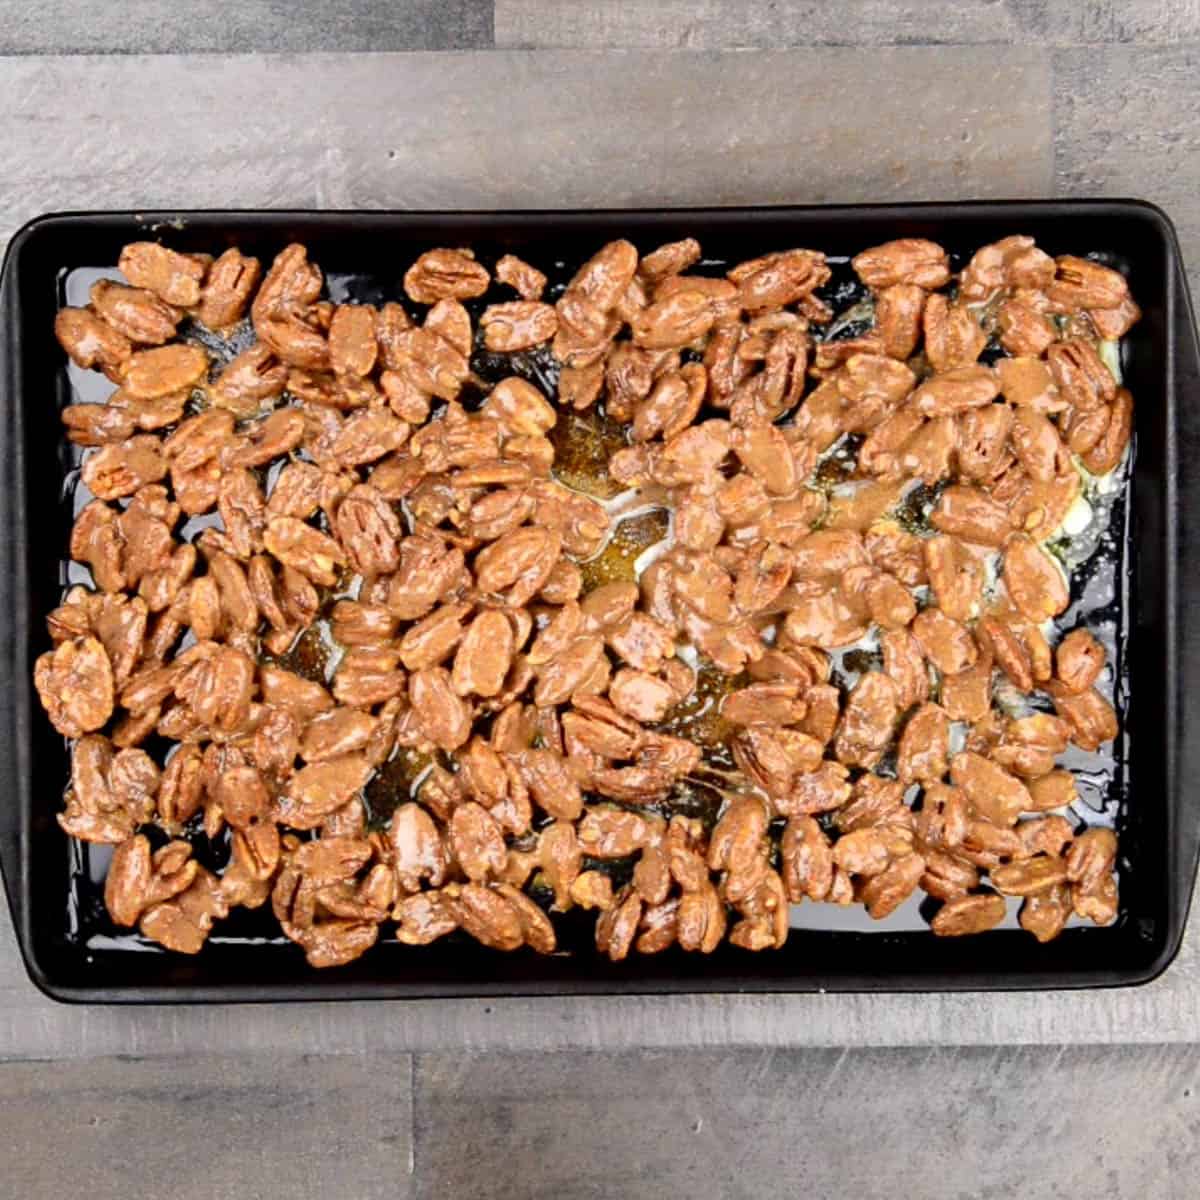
(352,488)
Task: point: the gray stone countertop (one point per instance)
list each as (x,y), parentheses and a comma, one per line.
(552,103)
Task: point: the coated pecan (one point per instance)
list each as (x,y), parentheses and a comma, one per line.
(75,684)
(139,314)
(527,280)
(517,325)
(968,914)
(906,260)
(91,342)
(231,281)
(445,274)
(174,277)
(319,789)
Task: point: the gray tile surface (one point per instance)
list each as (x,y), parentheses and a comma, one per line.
(318,1100)
(204,26)
(1022,1123)
(984,1124)
(1163,22)
(216,1127)
(719,25)
(506,129)
(1128,123)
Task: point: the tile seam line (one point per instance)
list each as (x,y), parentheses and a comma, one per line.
(1046,45)
(239,52)
(412,1119)
(17,55)
(747,1043)
(1052,102)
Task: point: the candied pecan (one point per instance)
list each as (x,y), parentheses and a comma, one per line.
(484,655)
(675,321)
(445,274)
(517,325)
(1098,905)
(184,922)
(969,914)
(352,343)
(618,924)
(1082,283)
(906,260)
(738,845)
(1045,913)
(1028,877)
(611,833)
(369,531)
(885,892)
(517,564)
(972,515)
(806,858)
(218,687)
(75,684)
(955,391)
(1079,659)
(330,734)
(528,281)
(861,852)
(250,382)
(983,435)
(943,819)
(138,314)
(91,342)
(764,913)
(1083,380)
(120,625)
(418,852)
(642,696)
(305,549)
(898,314)
(669,259)
(1011,262)
(772,758)
(174,277)
(97,424)
(996,794)
(778,279)
(120,470)
(924,745)
(561,858)
(1089,715)
(231,281)
(947,643)
(536,929)
(1034,581)
(163,371)
(321,788)
(1116,322)
(368,435)
(423,918)
(476,842)
(437,708)
(700,920)
(1108,449)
